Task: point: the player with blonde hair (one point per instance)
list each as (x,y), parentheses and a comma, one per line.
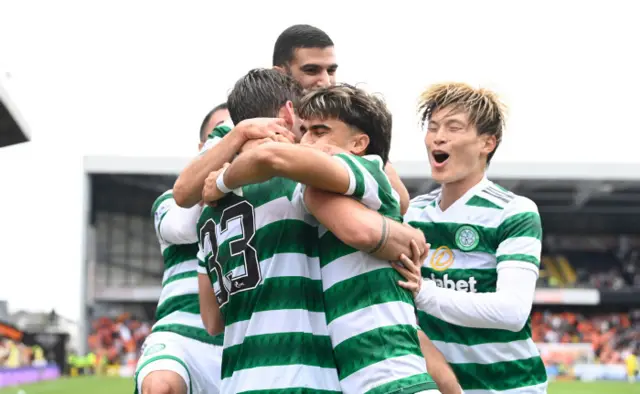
(475,289)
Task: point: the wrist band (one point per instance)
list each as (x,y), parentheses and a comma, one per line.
(220,183)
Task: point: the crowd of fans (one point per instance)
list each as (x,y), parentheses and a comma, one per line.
(612,336)
(16,355)
(118,341)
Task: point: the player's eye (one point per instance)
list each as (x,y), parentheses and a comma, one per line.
(311,70)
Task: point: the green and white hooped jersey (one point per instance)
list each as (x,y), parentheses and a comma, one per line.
(260,250)
(486,227)
(372,321)
(178,309)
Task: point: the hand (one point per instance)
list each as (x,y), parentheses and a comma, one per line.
(417,236)
(210,193)
(260,128)
(329,149)
(410,268)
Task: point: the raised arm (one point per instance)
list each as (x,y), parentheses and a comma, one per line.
(188,187)
(360,227)
(300,163)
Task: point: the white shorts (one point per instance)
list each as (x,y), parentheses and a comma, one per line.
(198,363)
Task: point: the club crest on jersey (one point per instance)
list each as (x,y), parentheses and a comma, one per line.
(467,238)
(441,258)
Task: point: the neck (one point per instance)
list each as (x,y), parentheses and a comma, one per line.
(451,192)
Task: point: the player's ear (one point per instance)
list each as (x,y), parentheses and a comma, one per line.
(281,69)
(290,113)
(489,143)
(287,113)
(359,144)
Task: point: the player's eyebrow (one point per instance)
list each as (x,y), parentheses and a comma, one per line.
(320,126)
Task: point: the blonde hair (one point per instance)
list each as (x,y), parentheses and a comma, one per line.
(482,106)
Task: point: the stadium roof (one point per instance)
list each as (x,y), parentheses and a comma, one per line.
(583,207)
(13,128)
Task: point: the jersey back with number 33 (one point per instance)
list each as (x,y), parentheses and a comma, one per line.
(261,252)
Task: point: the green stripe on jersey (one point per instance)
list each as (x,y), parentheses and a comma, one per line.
(504,375)
(487,226)
(289,348)
(267,256)
(199,334)
(371,319)
(177,254)
(219,132)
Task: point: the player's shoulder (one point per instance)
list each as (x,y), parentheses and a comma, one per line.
(372,163)
(419,206)
(497,198)
(425,200)
(162,200)
(220,131)
(215,136)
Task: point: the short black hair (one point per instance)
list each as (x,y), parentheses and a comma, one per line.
(203,128)
(261,93)
(355,107)
(298,36)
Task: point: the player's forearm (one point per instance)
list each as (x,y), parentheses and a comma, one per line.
(399,187)
(438,367)
(209,310)
(301,164)
(187,190)
(508,308)
(356,225)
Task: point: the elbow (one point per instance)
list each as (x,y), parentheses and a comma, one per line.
(180,194)
(361,238)
(519,316)
(214,329)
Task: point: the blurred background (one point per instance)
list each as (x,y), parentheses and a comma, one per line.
(101,108)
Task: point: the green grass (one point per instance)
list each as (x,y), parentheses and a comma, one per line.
(94,385)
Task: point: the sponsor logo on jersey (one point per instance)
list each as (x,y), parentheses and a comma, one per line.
(154,349)
(468,285)
(441,258)
(467,238)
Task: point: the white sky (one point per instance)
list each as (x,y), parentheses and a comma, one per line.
(137,77)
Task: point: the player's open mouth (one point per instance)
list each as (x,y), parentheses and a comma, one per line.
(439,158)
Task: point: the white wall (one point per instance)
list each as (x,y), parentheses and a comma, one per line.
(136,78)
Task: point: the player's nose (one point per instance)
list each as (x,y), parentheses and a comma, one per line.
(324,80)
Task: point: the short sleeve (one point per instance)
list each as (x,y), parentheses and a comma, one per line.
(520,235)
(369,184)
